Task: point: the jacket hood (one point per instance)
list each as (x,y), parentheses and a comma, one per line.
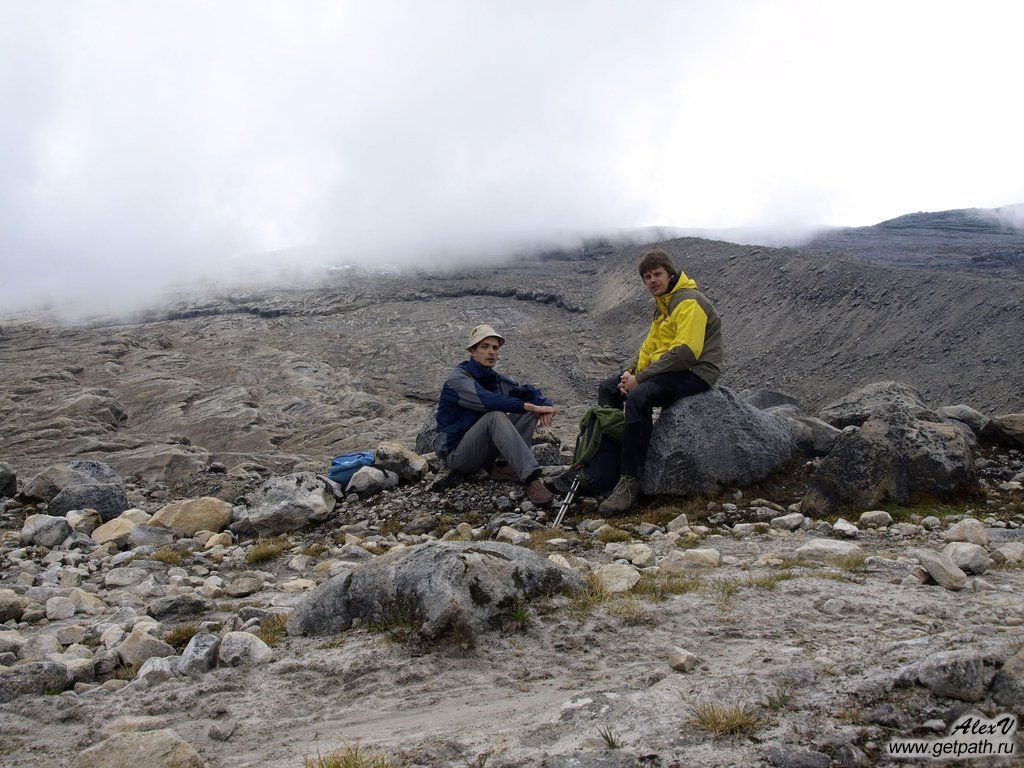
(682,283)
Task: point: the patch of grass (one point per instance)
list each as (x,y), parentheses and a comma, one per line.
(1007,566)
(315,550)
(779,698)
(272,629)
(178,636)
(518,615)
(630,611)
(901,513)
(723,590)
(611,739)
(659,588)
(480,761)
(852,563)
(770,580)
(724,718)
(539,539)
(351,756)
(396,622)
(591,596)
(688,541)
(168,556)
(262,551)
(788,563)
(125,672)
(613,534)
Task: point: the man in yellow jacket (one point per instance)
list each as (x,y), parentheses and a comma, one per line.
(681,356)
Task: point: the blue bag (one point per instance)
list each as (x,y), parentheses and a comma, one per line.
(344,466)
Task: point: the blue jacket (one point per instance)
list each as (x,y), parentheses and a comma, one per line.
(469,392)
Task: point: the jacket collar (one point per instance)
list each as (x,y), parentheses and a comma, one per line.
(479,372)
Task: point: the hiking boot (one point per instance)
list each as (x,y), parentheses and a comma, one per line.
(623,496)
(503,472)
(538,493)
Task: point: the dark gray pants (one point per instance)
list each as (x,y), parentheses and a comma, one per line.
(659,390)
(497,435)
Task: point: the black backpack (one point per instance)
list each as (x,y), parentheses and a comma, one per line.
(598,447)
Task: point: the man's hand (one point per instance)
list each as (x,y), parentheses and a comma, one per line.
(627,383)
(546,413)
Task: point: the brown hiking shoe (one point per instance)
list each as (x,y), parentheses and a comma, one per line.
(538,493)
(503,472)
(623,496)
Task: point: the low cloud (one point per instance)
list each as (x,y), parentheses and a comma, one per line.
(150,145)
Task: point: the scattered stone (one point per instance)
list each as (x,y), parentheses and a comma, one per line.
(177,607)
(966,415)
(188,517)
(154,749)
(512,536)
(39,647)
(199,655)
(969,529)
(139,646)
(970,558)
(58,608)
(243,585)
(116,531)
(8,480)
(617,577)
(931,523)
(409,466)
(242,649)
(84,520)
(790,522)
(708,558)
(678,523)
(859,405)
(123,577)
(223,730)
(34,678)
(828,550)
(442,585)
(845,529)
(106,498)
(45,485)
(366,482)
(150,536)
(942,569)
(1008,684)
(790,757)
(954,675)
(682,660)
(1011,553)
(876,518)
(157,669)
(45,530)
(288,503)
(1007,430)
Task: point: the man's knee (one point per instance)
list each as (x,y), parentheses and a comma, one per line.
(639,400)
(496,420)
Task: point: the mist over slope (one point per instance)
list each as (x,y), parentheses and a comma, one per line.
(291,376)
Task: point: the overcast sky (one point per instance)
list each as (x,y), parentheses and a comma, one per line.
(146,143)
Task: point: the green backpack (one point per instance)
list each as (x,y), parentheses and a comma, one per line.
(596,455)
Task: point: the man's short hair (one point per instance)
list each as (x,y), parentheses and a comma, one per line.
(653,259)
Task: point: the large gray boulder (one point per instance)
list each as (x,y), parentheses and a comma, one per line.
(891,456)
(768,398)
(976,420)
(1007,430)
(108,499)
(711,440)
(45,530)
(36,677)
(437,586)
(858,406)
(53,479)
(425,439)
(287,503)
(8,480)
(161,748)
(812,436)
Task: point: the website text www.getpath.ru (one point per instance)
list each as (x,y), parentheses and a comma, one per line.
(970,736)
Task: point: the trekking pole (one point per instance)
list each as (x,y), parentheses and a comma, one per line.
(567,501)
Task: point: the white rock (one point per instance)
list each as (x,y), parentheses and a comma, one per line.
(682,660)
(706,557)
(241,648)
(968,529)
(942,569)
(829,550)
(970,558)
(1010,553)
(678,523)
(512,536)
(931,522)
(876,518)
(58,608)
(617,577)
(845,529)
(790,522)
(156,669)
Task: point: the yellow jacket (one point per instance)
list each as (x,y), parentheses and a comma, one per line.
(685,335)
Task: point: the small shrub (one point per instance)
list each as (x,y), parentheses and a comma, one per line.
(612,534)
(262,551)
(126,673)
(315,550)
(779,698)
(168,556)
(351,756)
(590,597)
(611,739)
(396,622)
(539,539)
(273,629)
(769,580)
(723,590)
(630,611)
(852,563)
(724,719)
(688,541)
(519,615)
(178,636)
(658,588)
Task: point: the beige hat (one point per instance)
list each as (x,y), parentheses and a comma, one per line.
(480,333)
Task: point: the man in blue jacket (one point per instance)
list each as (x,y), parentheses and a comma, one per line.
(485,419)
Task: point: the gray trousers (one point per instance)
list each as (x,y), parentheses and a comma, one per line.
(497,435)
